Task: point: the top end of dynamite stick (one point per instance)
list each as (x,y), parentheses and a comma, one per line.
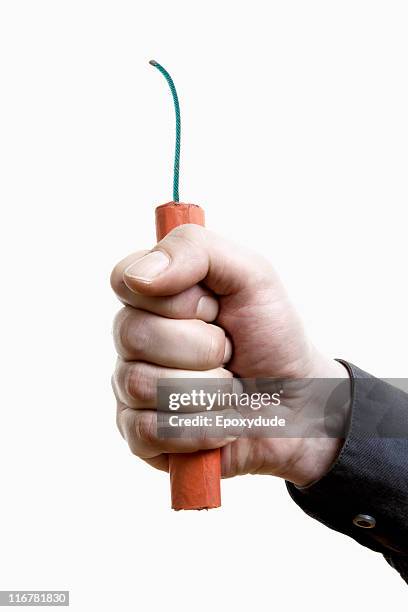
(173,214)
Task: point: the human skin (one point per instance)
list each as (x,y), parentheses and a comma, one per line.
(199,306)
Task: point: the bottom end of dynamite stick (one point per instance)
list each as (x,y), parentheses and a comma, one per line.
(195,480)
(177,509)
(173,214)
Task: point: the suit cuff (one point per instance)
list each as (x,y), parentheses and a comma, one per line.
(365,493)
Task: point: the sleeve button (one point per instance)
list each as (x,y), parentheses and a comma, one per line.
(364,520)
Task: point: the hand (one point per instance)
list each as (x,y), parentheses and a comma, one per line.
(199,306)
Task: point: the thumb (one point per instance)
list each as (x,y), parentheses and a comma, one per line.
(191,254)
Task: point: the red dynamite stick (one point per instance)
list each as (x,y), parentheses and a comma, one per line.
(194,477)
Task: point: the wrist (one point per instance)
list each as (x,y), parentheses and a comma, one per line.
(316,455)
(315,460)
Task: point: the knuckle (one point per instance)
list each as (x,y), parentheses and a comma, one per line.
(131,333)
(190,239)
(139,382)
(189,232)
(145,428)
(119,323)
(122,330)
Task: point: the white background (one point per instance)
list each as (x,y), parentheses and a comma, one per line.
(295,141)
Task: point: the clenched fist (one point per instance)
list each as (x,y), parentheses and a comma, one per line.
(199,306)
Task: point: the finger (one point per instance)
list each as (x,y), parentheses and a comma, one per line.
(139,428)
(190,254)
(187,344)
(135,382)
(161,462)
(193,303)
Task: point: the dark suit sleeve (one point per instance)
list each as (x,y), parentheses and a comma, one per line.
(365,493)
